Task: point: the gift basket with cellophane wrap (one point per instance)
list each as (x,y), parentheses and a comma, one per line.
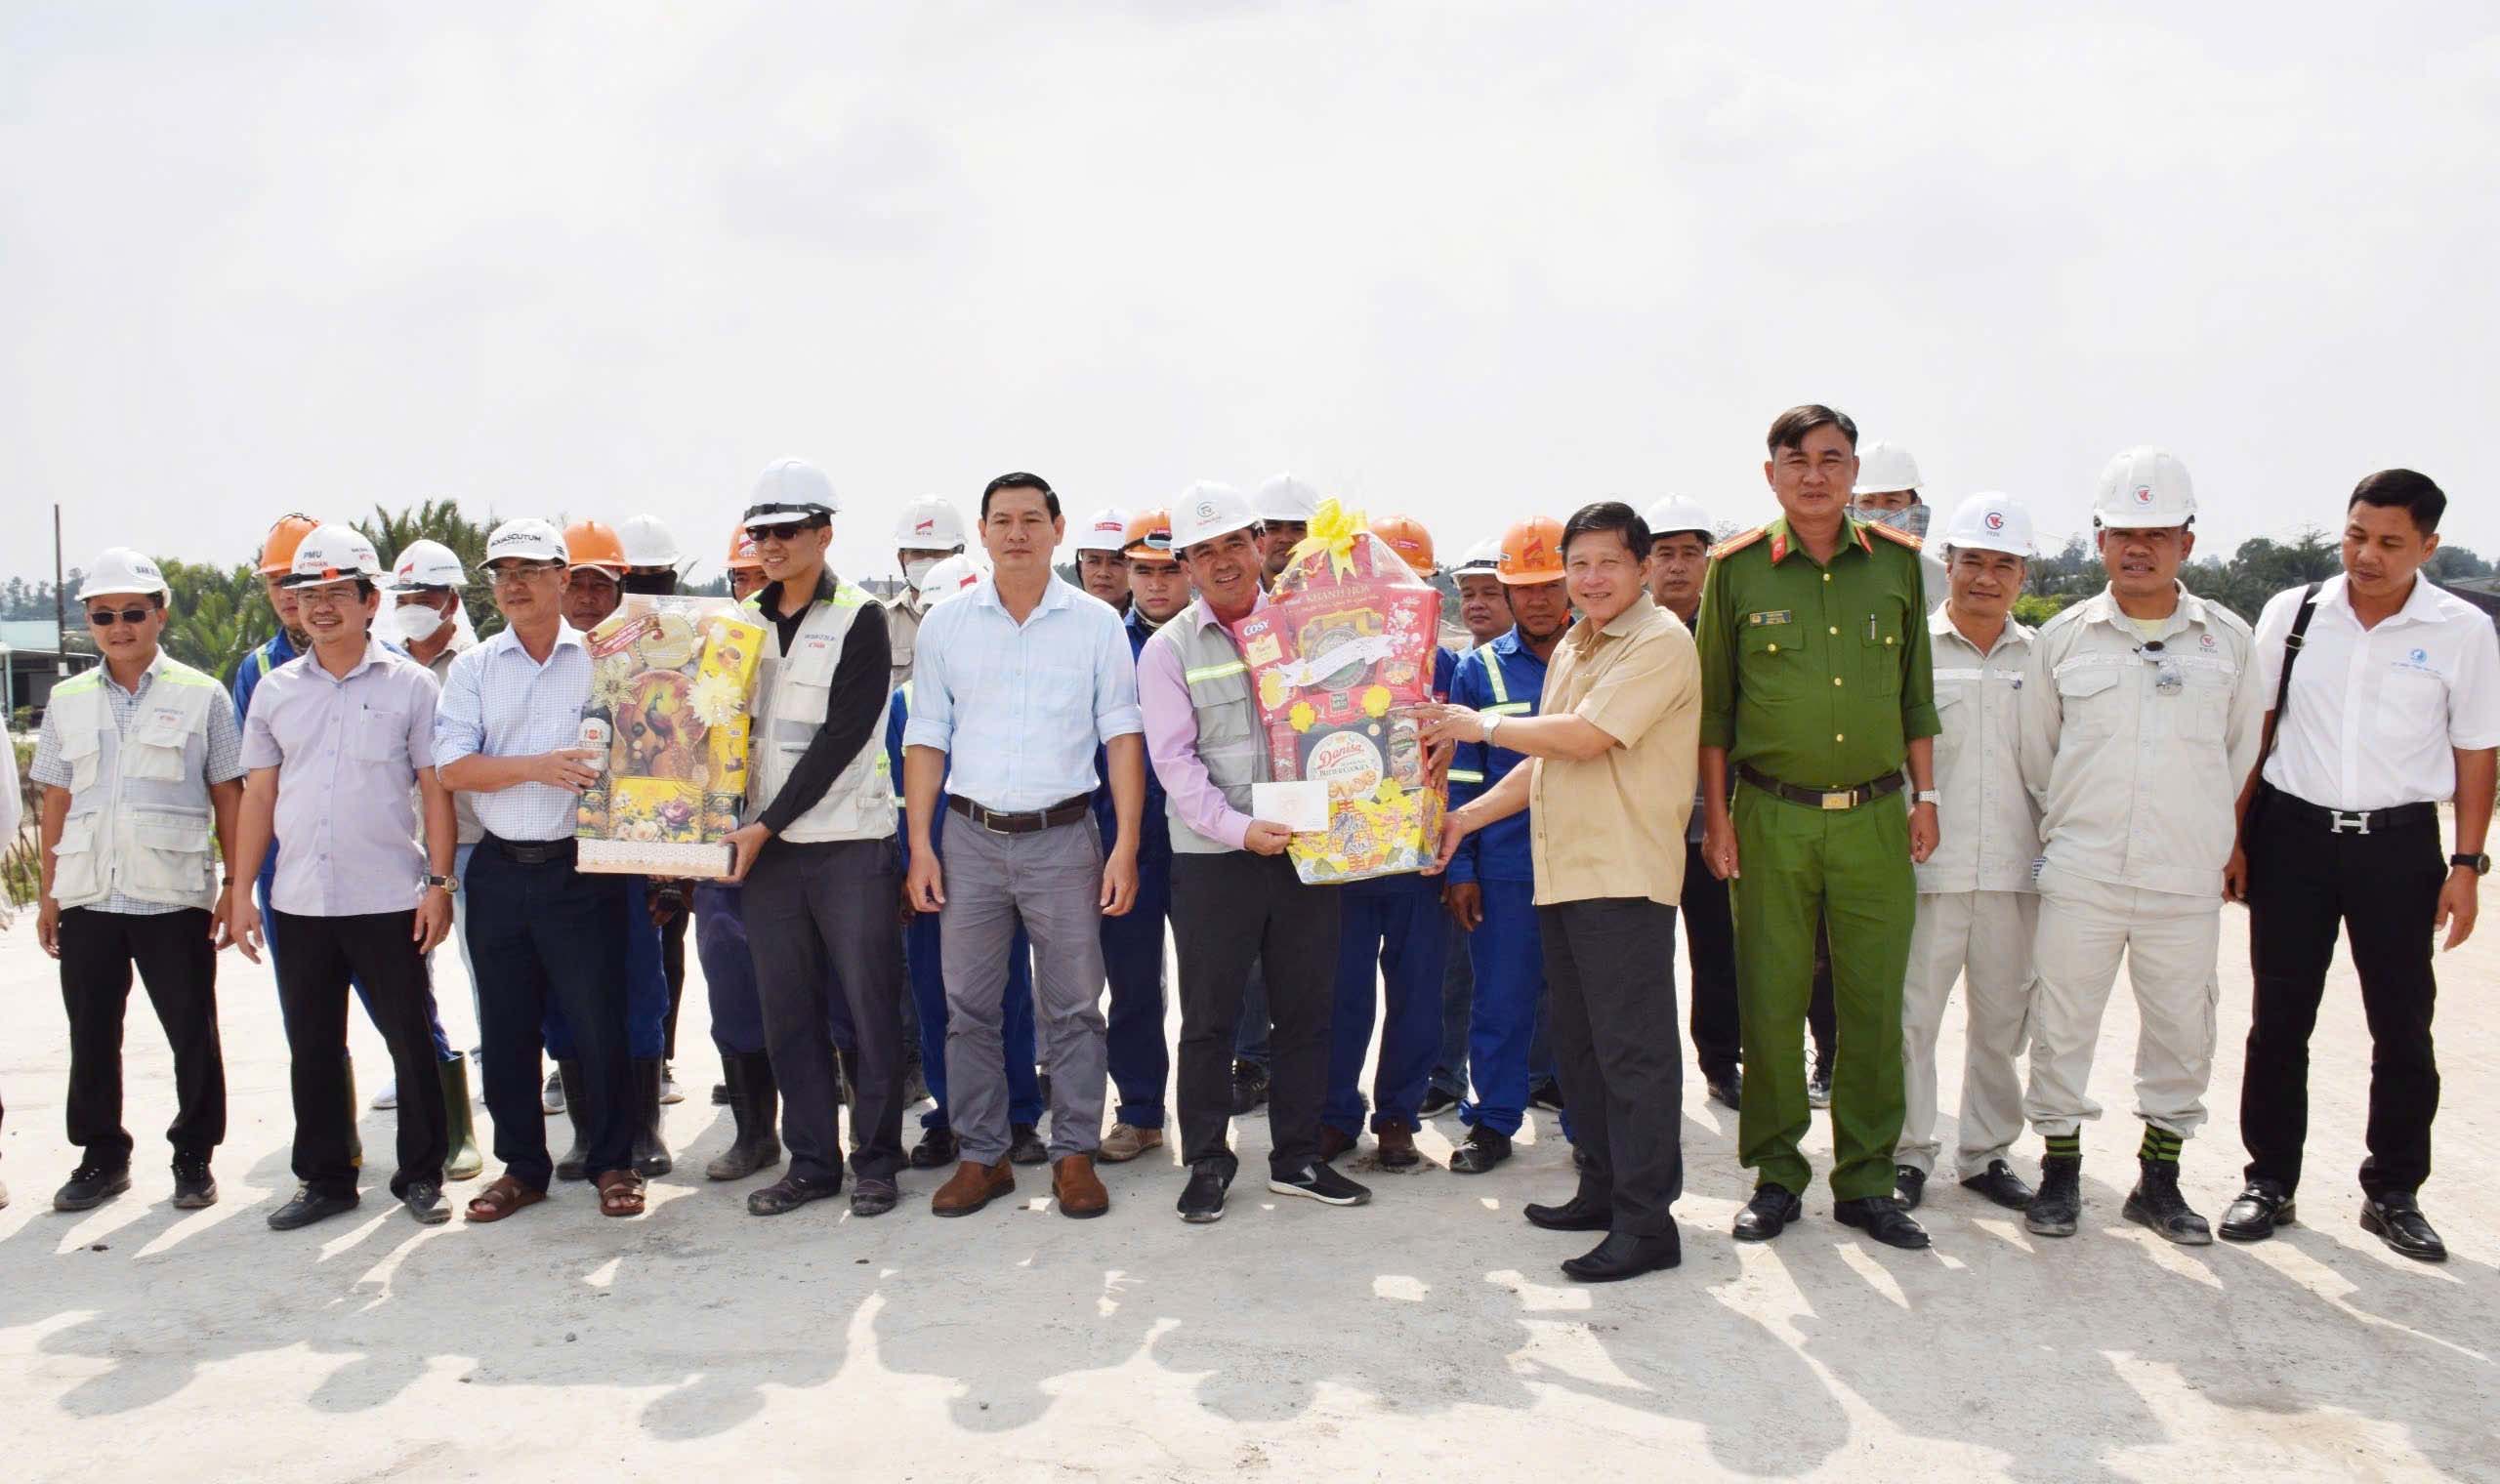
(672,693)
(1339,659)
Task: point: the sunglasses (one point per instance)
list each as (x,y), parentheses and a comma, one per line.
(786,531)
(105,618)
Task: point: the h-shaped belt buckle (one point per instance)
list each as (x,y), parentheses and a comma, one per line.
(1846,798)
(2338,819)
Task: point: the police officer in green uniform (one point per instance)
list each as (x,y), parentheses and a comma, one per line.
(1816,690)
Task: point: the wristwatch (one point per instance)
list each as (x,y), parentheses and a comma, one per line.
(446,883)
(1929,795)
(2481,864)
(1490,720)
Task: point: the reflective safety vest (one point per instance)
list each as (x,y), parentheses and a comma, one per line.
(796,687)
(1230,741)
(139,821)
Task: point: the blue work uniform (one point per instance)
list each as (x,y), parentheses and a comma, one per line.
(1140,1060)
(1392,932)
(729,969)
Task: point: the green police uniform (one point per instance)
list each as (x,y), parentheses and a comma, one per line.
(1818,677)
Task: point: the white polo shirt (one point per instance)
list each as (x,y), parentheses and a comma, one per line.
(2375,715)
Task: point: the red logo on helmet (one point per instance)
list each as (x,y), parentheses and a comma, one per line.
(2143,494)
(1996,520)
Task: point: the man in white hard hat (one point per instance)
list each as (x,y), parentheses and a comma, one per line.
(1885,493)
(652,560)
(136,757)
(1481,608)
(1102,568)
(1977,910)
(508,730)
(1678,559)
(1286,506)
(1234,895)
(2141,712)
(339,743)
(926,533)
(816,852)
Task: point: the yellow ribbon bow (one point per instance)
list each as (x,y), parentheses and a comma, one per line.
(1333,529)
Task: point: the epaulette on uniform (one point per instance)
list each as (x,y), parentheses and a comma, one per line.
(1738,542)
(1904,538)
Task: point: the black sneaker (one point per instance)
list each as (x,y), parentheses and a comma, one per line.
(1436,1102)
(1322,1183)
(936,1150)
(91,1186)
(1026,1147)
(1202,1199)
(308,1207)
(423,1199)
(1249,1087)
(1484,1148)
(1547,1094)
(194,1188)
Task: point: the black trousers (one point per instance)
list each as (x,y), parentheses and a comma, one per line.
(1710,947)
(178,965)
(819,922)
(539,933)
(2382,888)
(378,950)
(1226,911)
(1615,1046)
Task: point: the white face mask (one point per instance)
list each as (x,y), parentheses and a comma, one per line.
(413,623)
(916,571)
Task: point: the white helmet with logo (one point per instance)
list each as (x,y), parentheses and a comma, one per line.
(426,564)
(1106,531)
(333,553)
(1483,556)
(1885,469)
(791,489)
(1207,510)
(121,569)
(950,575)
(929,525)
(2144,489)
(1989,522)
(527,538)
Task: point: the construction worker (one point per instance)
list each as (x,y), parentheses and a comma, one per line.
(1492,878)
(1485,615)
(1140,1063)
(596,569)
(1977,911)
(748,1087)
(2141,714)
(1886,494)
(1680,538)
(1392,945)
(1286,506)
(1816,692)
(1482,609)
(926,533)
(142,773)
(653,565)
(1234,893)
(1101,562)
(339,742)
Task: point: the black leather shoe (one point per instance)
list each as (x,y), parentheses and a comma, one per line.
(873,1197)
(1249,1087)
(1024,1146)
(1436,1102)
(1884,1219)
(1581,1213)
(2155,1202)
(1482,1150)
(1545,1094)
(2261,1206)
(1768,1214)
(2058,1206)
(789,1193)
(2000,1184)
(423,1199)
(308,1207)
(936,1150)
(1909,1187)
(2395,1219)
(1623,1255)
(1727,1087)
(91,1186)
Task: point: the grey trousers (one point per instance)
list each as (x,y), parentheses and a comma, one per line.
(820,914)
(1051,880)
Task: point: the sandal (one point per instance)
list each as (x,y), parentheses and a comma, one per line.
(620,1193)
(503,1196)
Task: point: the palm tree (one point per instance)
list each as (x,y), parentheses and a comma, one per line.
(440,520)
(218,615)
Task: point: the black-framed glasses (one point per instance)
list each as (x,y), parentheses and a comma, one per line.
(783,530)
(105,618)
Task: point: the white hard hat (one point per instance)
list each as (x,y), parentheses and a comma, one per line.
(332,554)
(791,489)
(2143,488)
(1207,510)
(1989,522)
(1884,468)
(647,542)
(120,569)
(1679,513)
(1286,497)
(1106,531)
(929,525)
(426,564)
(1482,556)
(948,576)
(527,538)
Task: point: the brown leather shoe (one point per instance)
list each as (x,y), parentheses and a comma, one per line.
(1333,1141)
(1396,1147)
(971,1187)
(1079,1189)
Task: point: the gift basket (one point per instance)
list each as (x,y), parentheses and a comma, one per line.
(1338,659)
(672,693)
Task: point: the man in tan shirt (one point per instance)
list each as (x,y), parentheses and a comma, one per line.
(1608,793)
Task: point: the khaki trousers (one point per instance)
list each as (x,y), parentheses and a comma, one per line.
(2168,941)
(1982,940)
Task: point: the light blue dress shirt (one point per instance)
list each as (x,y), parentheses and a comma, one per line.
(498,701)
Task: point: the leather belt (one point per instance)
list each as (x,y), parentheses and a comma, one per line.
(1823,798)
(531,852)
(1029,822)
(2354,821)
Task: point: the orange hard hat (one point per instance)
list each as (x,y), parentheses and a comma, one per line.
(1148,537)
(742,550)
(1531,552)
(1407,537)
(277,548)
(594,544)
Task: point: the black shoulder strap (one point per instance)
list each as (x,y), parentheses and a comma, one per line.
(2283,683)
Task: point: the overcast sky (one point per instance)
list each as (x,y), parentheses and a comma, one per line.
(1467,262)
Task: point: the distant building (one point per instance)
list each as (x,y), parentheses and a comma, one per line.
(32,662)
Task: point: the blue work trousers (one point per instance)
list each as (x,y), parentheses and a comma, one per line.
(1132,960)
(1390,932)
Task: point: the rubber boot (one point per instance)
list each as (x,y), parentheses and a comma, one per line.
(461,1161)
(651,1154)
(355,1135)
(755,1103)
(576,1161)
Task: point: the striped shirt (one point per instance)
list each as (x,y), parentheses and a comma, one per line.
(225,758)
(498,701)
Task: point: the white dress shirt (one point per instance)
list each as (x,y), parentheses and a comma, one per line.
(1988,826)
(2376,715)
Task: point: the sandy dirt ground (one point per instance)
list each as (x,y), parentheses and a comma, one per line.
(1426,1335)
